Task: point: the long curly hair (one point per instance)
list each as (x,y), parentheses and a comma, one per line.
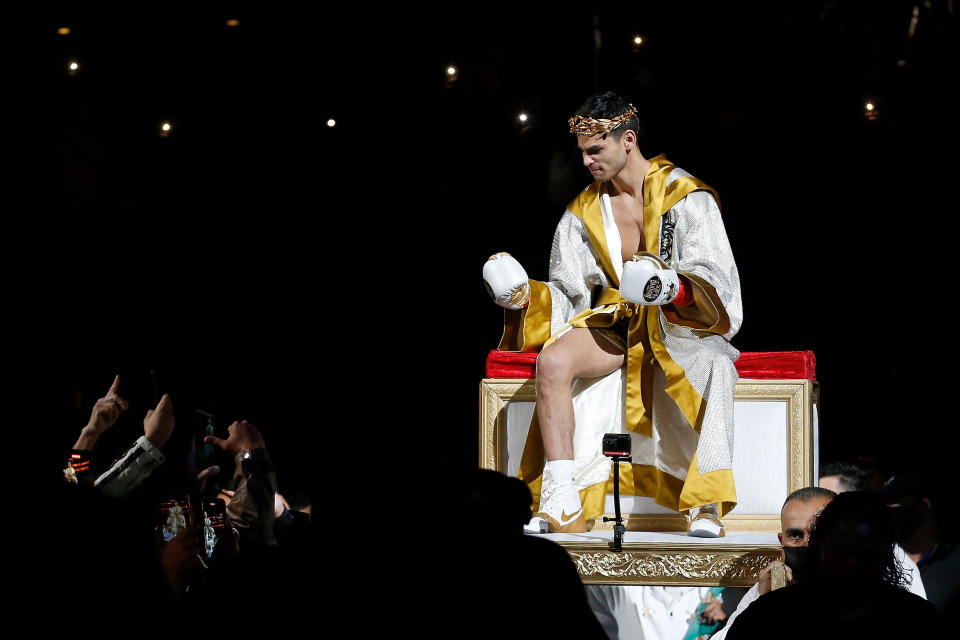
(856,530)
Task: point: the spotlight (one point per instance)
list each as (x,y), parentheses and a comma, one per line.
(233,22)
(452,74)
(523,117)
(64,31)
(638,42)
(331,123)
(870,110)
(73,67)
(165,129)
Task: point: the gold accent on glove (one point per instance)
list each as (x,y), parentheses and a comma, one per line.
(520,296)
(657,260)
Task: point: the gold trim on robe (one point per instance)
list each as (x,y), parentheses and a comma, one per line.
(528,328)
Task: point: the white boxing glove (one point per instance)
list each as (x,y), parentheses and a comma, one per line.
(649,280)
(506,281)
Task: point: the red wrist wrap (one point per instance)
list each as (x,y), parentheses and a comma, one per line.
(685,295)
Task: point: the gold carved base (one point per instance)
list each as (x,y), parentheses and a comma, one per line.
(671,564)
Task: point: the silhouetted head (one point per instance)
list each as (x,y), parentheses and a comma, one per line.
(908,497)
(497,504)
(854,539)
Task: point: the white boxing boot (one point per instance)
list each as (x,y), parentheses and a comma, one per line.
(559,499)
(706,524)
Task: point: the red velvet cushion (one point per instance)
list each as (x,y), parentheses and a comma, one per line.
(511,364)
(792,365)
(777,364)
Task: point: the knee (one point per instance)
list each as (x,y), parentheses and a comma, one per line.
(554,366)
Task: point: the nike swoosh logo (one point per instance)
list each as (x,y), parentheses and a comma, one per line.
(565,519)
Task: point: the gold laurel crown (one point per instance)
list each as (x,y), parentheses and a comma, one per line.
(585,126)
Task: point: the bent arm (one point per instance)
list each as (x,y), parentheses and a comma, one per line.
(574,277)
(131,469)
(705,260)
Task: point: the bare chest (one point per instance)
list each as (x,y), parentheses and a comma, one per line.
(628,214)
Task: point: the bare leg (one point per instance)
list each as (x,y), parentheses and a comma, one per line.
(578,354)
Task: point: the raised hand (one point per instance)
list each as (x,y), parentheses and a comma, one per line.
(241,435)
(106,411)
(159,423)
(506,281)
(765,579)
(648,280)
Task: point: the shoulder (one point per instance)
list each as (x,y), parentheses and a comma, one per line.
(571,223)
(696,208)
(689,193)
(944,561)
(676,173)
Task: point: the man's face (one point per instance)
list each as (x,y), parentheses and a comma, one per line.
(796,520)
(602,155)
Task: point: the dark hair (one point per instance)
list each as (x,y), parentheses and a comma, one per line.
(867,532)
(607,104)
(852,477)
(806,494)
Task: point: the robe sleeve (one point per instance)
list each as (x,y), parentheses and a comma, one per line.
(575,276)
(706,260)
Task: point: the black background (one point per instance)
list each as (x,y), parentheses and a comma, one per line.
(325,283)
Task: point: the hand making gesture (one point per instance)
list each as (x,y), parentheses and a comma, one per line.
(104,415)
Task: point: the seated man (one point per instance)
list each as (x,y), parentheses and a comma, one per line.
(641,276)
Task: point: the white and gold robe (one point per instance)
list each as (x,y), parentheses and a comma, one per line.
(675,392)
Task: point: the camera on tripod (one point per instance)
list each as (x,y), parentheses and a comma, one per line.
(617,447)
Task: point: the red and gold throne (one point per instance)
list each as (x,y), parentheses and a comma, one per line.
(775,453)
